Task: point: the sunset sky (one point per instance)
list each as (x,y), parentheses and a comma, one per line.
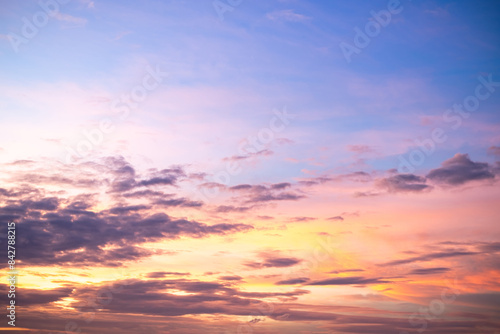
(236,167)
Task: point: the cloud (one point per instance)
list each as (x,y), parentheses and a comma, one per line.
(181,202)
(127,209)
(430,257)
(356,280)
(161,274)
(360,149)
(429,271)
(105,238)
(482,300)
(69,230)
(491,247)
(264,153)
(30,297)
(286,15)
(231,278)
(262,193)
(78,21)
(459,170)
(145,193)
(494,150)
(366,194)
(302,219)
(231,208)
(125,178)
(357,176)
(315,181)
(58,180)
(281,186)
(293,281)
(455,171)
(336,218)
(345,271)
(158,297)
(247,187)
(278,197)
(403,183)
(169,180)
(273,261)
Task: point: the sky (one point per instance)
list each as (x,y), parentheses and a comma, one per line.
(233,166)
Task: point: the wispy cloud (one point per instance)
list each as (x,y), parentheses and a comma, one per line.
(287,15)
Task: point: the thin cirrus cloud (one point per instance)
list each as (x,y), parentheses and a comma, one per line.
(287,15)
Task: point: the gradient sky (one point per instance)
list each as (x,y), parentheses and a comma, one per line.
(234,167)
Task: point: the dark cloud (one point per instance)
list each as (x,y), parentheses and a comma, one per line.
(68,230)
(182,202)
(27,297)
(263,153)
(278,197)
(358,176)
(491,247)
(167,180)
(345,271)
(270,261)
(21,191)
(459,170)
(293,281)
(247,187)
(123,184)
(429,271)
(281,262)
(490,300)
(145,193)
(80,205)
(262,193)
(163,200)
(159,300)
(231,278)
(315,181)
(212,185)
(280,186)
(336,218)
(78,236)
(125,177)
(356,280)
(231,208)
(403,183)
(365,194)
(44,204)
(161,274)
(157,297)
(127,209)
(430,257)
(58,180)
(302,219)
